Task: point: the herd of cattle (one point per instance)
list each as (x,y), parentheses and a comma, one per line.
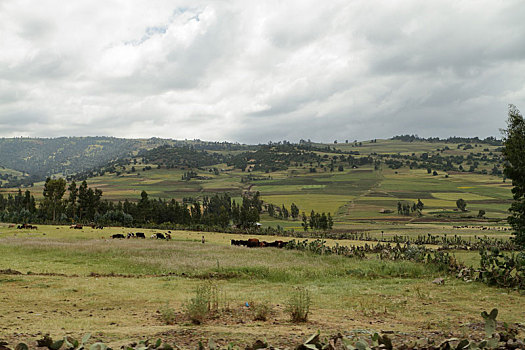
(255,243)
(483,228)
(74,226)
(80,226)
(250,243)
(24,226)
(157,235)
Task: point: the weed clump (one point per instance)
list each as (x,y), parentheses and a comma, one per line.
(167,314)
(203,304)
(298,305)
(261,311)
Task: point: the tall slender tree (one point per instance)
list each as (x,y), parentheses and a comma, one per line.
(514,154)
(53,192)
(72,200)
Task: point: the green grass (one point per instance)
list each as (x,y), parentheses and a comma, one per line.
(346,293)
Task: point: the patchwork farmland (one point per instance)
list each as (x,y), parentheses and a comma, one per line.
(124,290)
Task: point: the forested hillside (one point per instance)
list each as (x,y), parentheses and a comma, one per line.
(65,155)
(24,161)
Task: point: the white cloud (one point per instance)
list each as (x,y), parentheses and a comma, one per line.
(254,72)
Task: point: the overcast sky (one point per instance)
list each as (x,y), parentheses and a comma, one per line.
(254,71)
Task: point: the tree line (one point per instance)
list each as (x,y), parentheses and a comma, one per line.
(63,204)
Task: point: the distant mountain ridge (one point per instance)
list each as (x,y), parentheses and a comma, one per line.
(24,161)
(40,157)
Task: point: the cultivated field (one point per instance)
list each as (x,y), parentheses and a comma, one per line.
(353,196)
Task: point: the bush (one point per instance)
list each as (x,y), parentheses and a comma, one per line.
(261,311)
(167,314)
(203,304)
(299,305)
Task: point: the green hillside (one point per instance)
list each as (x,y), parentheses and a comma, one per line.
(359,183)
(38,158)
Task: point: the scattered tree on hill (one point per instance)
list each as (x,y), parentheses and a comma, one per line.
(271,209)
(513,152)
(305,222)
(319,221)
(294,211)
(481,213)
(404,208)
(461,204)
(284,212)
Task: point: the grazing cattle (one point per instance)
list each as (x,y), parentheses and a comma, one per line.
(236,242)
(168,236)
(33,227)
(160,236)
(76,226)
(97,227)
(118,235)
(254,243)
(130,235)
(140,235)
(25,226)
(12,226)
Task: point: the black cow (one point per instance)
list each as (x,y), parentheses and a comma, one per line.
(140,235)
(160,236)
(239,242)
(25,226)
(118,235)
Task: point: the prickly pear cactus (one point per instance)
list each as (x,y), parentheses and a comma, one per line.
(490,322)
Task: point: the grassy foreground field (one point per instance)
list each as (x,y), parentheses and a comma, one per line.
(79,281)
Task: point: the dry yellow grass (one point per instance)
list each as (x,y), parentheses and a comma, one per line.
(124,307)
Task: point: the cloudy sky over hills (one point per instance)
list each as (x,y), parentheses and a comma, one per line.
(253,71)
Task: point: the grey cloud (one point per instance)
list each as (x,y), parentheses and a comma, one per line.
(254,72)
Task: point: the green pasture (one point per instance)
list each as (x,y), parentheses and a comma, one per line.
(115,289)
